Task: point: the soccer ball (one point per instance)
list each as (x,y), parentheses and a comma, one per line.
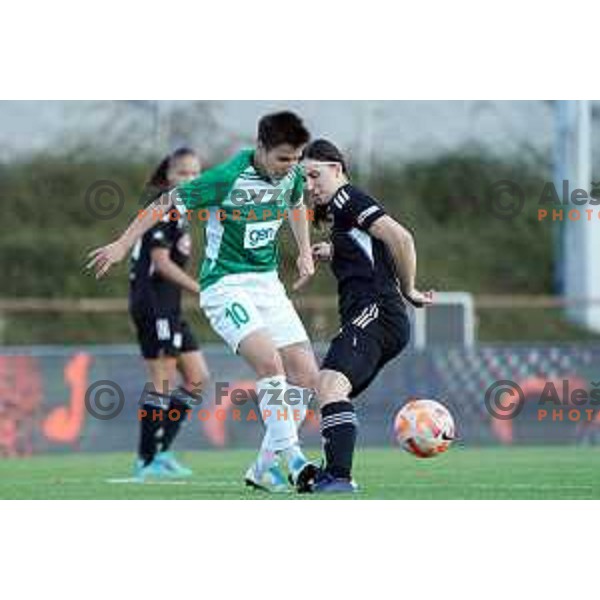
(424,428)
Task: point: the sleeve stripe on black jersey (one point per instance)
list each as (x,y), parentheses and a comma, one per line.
(367,213)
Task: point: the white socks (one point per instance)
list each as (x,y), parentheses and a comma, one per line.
(281,431)
(282,420)
(298,407)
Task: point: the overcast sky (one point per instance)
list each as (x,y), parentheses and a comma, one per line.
(402,129)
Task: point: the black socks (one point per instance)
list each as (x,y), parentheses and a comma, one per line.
(159,426)
(175,416)
(339,428)
(152,419)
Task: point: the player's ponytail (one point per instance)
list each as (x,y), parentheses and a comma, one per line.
(159,181)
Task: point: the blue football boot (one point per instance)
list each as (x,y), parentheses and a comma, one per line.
(326,483)
(167,467)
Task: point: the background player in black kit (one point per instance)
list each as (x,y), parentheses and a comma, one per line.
(156,278)
(374,261)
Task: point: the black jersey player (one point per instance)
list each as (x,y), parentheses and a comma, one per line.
(156,279)
(373,259)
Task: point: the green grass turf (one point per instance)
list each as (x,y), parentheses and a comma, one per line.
(486,473)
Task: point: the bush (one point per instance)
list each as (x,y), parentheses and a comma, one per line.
(46,229)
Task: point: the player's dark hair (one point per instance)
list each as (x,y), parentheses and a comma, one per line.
(325,151)
(158,179)
(282,128)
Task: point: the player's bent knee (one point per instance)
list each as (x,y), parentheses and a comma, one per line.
(267,364)
(332,386)
(271,367)
(300,365)
(307,376)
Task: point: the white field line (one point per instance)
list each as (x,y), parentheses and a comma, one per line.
(220,483)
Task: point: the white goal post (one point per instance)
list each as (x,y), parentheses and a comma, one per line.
(450,320)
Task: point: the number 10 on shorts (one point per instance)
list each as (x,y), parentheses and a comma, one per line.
(238,314)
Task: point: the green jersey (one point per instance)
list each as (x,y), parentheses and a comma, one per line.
(243,211)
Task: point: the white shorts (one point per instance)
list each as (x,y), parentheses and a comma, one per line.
(237,305)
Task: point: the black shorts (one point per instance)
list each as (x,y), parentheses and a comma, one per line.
(366,342)
(167,334)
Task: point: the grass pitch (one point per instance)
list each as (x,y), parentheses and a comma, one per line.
(482,473)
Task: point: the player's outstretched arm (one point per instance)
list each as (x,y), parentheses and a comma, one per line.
(401,246)
(103,258)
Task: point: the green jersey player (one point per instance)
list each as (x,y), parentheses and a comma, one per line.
(244,202)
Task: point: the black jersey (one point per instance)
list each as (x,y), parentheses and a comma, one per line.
(148,291)
(362,265)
